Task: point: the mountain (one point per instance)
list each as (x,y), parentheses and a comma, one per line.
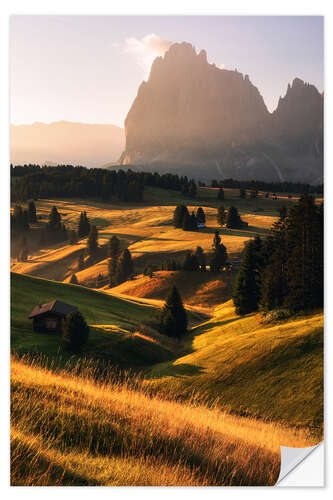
(64,142)
(211,122)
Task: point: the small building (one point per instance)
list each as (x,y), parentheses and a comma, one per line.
(48,317)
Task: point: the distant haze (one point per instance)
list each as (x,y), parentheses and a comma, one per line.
(91,145)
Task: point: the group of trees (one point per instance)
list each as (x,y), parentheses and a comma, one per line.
(198,260)
(230,218)
(188,222)
(286,269)
(19,219)
(34,181)
(280,187)
(67,181)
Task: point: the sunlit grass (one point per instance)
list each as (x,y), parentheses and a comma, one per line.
(272,370)
(145,228)
(70,429)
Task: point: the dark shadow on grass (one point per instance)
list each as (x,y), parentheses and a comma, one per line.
(184,369)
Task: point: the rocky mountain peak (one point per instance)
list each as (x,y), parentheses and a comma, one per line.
(192,112)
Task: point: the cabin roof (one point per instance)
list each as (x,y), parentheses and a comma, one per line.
(55,306)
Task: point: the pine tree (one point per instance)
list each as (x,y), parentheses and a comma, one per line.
(54,219)
(194,223)
(32,214)
(220,194)
(177,217)
(92,243)
(83,225)
(201,217)
(173,320)
(75,332)
(113,252)
(219,256)
(233,219)
(246,291)
(124,267)
(186,221)
(221,215)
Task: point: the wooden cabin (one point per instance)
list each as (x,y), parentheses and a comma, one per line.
(48,317)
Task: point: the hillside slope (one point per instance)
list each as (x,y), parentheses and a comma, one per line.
(205,290)
(70,430)
(272,370)
(116,324)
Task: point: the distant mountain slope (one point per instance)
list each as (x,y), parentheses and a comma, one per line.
(213,122)
(86,144)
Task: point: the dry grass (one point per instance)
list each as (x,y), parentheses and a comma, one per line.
(201,290)
(146,230)
(272,370)
(71,430)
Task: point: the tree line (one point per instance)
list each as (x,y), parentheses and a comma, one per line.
(36,182)
(280,187)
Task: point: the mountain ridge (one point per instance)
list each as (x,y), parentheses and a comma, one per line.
(190,113)
(89,144)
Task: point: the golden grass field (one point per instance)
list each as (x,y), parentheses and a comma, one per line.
(70,430)
(145,229)
(200,290)
(213,409)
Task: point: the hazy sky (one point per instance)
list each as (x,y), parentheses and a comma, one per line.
(88,68)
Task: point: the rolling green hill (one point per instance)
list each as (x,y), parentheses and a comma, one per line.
(115,323)
(269,370)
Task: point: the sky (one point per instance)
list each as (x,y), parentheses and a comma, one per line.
(88,68)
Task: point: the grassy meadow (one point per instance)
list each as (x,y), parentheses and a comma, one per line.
(137,407)
(70,430)
(252,367)
(147,230)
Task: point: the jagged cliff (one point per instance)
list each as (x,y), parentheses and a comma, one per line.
(194,115)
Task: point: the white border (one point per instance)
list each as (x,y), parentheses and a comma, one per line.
(104,7)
